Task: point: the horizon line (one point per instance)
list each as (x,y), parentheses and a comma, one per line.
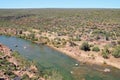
(59,8)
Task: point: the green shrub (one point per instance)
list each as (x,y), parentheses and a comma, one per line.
(116,52)
(105,53)
(107,38)
(25,77)
(96,49)
(91,45)
(77,38)
(118,42)
(1,54)
(85,46)
(10,74)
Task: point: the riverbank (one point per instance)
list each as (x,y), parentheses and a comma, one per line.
(75,52)
(13,66)
(89,57)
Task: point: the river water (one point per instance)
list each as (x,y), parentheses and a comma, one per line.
(49,59)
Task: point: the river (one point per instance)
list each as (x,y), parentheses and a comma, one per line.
(49,59)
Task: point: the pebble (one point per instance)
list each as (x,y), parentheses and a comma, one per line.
(106,70)
(76,64)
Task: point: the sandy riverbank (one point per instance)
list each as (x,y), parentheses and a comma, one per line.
(89,57)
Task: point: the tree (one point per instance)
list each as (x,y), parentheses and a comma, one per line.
(85,46)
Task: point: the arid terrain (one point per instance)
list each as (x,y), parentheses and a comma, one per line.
(88,35)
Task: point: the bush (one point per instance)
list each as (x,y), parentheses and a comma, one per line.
(96,49)
(91,45)
(77,38)
(118,42)
(107,37)
(25,77)
(85,46)
(116,52)
(10,74)
(105,53)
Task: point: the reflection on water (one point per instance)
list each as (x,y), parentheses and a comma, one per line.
(47,58)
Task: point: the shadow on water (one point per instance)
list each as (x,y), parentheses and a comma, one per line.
(49,59)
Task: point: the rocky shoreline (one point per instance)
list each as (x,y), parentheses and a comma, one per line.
(12,68)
